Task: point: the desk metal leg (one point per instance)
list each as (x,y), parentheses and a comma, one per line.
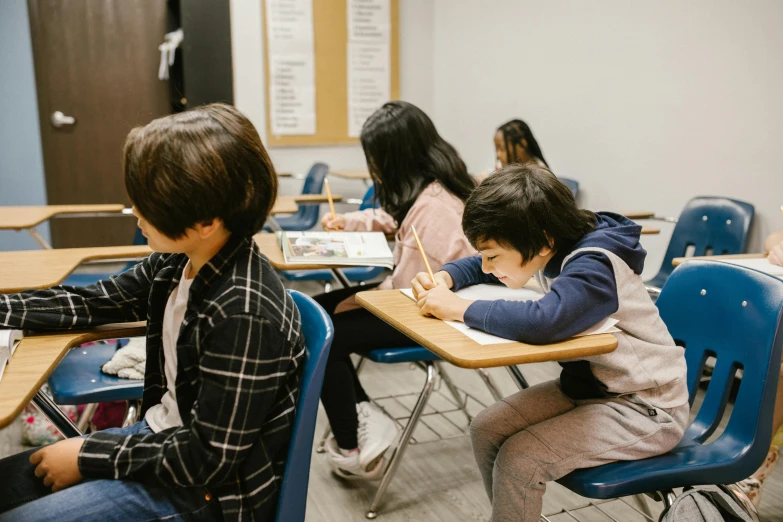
(518,377)
(273,224)
(55,415)
(41,241)
(338,274)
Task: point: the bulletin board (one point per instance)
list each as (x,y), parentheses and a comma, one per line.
(330,27)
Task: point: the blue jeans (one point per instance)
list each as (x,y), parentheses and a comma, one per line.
(23,496)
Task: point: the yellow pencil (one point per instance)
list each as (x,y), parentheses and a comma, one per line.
(329,197)
(423,255)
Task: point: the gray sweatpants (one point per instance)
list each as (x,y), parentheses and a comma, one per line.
(539,434)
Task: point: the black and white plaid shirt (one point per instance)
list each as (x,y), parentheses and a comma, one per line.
(240,352)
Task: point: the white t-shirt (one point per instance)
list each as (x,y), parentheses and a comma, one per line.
(166,414)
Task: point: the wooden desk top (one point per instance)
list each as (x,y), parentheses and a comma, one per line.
(290,204)
(37,356)
(26,269)
(267,244)
(20,218)
(316,198)
(351,174)
(680,260)
(650,231)
(638,214)
(403,314)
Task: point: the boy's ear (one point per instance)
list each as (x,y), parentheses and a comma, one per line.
(206,229)
(545,251)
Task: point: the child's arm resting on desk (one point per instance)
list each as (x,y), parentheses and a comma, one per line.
(584,294)
(245,366)
(121,298)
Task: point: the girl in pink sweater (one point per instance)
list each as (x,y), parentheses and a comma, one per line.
(420,181)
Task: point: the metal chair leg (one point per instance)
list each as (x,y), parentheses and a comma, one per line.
(131,414)
(641,503)
(490,382)
(394,461)
(55,415)
(519,379)
(736,492)
(321,448)
(86,416)
(459,401)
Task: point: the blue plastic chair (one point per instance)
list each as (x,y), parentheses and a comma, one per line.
(571,184)
(354,275)
(307,216)
(712,225)
(734,315)
(89,279)
(318,332)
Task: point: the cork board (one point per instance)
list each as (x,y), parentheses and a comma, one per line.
(330,27)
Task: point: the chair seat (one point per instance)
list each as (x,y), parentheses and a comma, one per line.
(358,274)
(722,462)
(401,355)
(78,378)
(294,223)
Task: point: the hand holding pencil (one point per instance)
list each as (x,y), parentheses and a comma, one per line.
(332,221)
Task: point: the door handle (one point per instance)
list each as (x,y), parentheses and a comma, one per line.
(61,120)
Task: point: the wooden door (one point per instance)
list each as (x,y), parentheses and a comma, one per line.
(95,61)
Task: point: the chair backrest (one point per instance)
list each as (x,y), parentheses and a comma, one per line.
(313,184)
(318,331)
(733,314)
(712,225)
(571,184)
(369,201)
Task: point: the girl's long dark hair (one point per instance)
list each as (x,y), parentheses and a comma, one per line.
(405,153)
(514,132)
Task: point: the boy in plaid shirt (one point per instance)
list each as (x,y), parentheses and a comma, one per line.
(224,345)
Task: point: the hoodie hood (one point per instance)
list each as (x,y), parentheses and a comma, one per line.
(614,233)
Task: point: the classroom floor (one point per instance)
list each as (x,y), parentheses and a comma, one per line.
(438,481)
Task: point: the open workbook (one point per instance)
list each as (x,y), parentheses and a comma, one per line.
(336,248)
(496,292)
(9,340)
(761,264)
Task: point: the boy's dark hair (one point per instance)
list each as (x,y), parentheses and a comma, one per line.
(524,207)
(198,165)
(405,153)
(517,133)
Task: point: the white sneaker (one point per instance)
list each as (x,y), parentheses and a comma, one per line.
(376,433)
(348,466)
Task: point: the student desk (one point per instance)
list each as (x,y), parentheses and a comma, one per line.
(680,260)
(35,359)
(460,350)
(650,231)
(362,174)
(638,214)
(267,244)
(27,269)
(27,218)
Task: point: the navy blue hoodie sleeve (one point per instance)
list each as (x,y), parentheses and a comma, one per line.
(583,295)
(467,272)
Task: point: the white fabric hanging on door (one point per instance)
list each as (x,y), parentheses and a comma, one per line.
(167,50)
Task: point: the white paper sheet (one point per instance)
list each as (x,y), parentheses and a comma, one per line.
(369,60)
(291,66)
(495,292)
(760,264)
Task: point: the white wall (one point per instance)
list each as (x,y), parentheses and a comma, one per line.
(416,66)
(21,160)
(646,104)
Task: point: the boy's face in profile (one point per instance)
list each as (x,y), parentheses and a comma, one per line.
(506,263)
